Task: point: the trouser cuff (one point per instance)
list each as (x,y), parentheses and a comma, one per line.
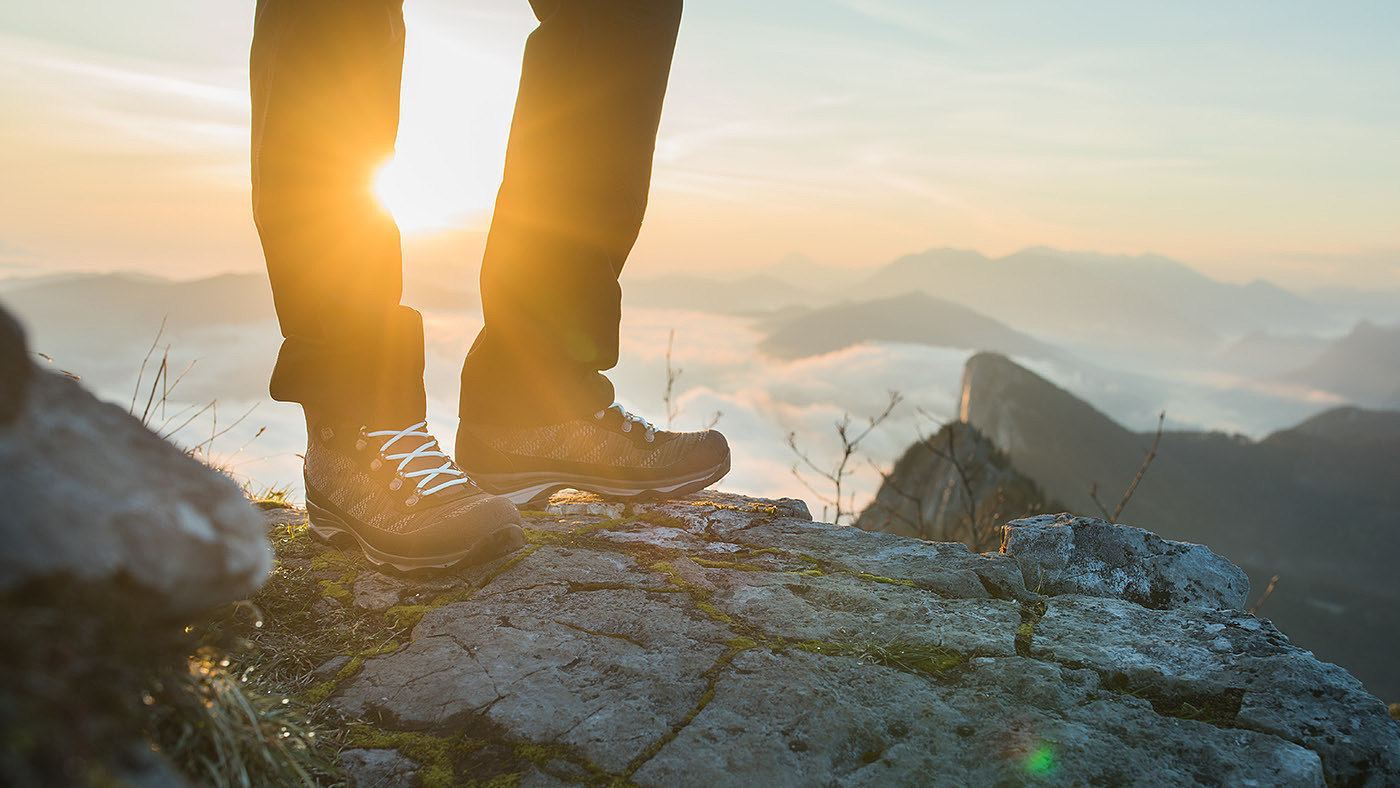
(371,375)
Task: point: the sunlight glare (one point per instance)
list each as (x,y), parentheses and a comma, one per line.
(423,200)
(459,78)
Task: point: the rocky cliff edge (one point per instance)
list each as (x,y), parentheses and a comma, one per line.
(727,640)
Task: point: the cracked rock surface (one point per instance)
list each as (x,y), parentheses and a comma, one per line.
(726,640)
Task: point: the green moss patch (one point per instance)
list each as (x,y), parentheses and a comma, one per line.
(1031,613)
(742,567)
(869,578)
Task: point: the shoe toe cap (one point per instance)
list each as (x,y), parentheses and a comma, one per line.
(713,449)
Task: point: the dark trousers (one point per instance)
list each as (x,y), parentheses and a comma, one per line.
(325,80)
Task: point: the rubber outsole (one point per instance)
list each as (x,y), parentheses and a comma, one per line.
(523,489)
(330,528)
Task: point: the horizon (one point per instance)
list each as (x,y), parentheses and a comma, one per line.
(430,268)
(1246,142)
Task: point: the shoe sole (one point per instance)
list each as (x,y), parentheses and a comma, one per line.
(330,528)
(523,489)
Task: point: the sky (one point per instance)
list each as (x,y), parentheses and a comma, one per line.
(1248,139)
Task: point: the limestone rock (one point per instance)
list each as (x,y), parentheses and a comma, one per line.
(379,769)
(1064,554)
(725,640)
(953,486)
(92,494)
(799,719)
(1230,668)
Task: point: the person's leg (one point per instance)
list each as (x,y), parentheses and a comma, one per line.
(324,77)
(577,175)
(535,407)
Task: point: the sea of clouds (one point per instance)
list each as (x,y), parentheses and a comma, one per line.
(219,406)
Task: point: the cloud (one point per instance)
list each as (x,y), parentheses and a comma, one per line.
(761,400)
(107,102)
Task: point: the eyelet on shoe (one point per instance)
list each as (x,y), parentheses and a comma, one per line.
(361,444)
(396,484)
(375,464)
(626,426)
(411,500)
(599,415)
(651,437)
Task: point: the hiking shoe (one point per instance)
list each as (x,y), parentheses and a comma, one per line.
(612,453)
(403,500)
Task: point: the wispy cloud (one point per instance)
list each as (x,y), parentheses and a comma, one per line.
(112,102)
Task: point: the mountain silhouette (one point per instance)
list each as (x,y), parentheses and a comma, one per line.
(1128,305)
(912,317)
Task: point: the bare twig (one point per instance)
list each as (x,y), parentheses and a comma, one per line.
(1273,581)
(967,472)
(1117,512)
(1146,463)
(840,500)
(1094,496)
(671,375)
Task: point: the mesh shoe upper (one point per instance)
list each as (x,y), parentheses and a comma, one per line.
(611,438)
(396,482)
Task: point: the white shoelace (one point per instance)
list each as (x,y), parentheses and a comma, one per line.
(628,420)
(427,448)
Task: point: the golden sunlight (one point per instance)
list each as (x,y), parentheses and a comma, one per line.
(458,93)
(424,199)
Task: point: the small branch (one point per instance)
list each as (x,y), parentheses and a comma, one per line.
(840,500)
(1094,496)
(672,374)
(1146,463)
(1273,581)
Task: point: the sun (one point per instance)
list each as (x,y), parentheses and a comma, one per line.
(457,97)
(425,199)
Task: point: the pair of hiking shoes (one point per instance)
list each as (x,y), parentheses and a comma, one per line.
(410,506)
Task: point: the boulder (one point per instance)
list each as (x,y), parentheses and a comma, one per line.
(91,494)
(1064,554)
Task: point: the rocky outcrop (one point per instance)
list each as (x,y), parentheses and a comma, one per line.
(1064,554)
(953,486)
(1315,505)
(91,494)
(726,640)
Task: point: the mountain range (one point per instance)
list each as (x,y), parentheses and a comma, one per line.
(1147,315)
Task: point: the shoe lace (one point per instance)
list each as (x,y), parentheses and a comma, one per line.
(628,419)
(427,447)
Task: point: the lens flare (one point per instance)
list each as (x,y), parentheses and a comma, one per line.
(1040,762)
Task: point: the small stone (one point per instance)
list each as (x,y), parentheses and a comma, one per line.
(375,591)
